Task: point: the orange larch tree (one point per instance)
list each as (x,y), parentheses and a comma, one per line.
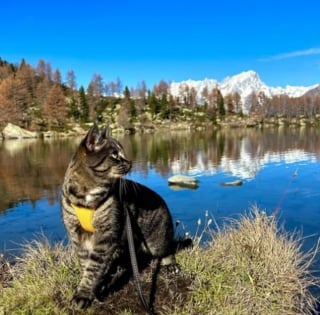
(56,106)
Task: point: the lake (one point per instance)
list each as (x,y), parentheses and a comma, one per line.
(279,169)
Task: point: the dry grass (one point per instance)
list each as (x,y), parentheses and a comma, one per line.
(250,267)
(42,279)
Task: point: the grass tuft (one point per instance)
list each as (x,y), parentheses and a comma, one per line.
(43,280)
(250,266)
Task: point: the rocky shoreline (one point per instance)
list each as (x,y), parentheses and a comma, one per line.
(11,131)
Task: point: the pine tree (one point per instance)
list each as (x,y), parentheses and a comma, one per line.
(83,105)
(74,108)
(126,93)
(220,101)
(164,106)
(154,104)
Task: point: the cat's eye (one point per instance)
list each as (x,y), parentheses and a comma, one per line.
(115,155)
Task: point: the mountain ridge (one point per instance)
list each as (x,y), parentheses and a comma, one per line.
(243,83)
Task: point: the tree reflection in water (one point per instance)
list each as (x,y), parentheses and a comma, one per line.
(32,170)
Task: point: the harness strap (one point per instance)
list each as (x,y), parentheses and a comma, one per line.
(85,217)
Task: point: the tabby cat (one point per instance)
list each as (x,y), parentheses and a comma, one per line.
(94,183)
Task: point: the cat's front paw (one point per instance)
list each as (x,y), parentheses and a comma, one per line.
(81,300)
(173,268)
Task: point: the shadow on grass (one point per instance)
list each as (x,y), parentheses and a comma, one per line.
(161,288)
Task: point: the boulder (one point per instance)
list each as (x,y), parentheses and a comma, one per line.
(183,181)
(12,131)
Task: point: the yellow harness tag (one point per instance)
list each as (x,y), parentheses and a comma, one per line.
(85,217)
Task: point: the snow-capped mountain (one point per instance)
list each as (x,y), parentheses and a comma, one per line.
(244,83)
(313,92)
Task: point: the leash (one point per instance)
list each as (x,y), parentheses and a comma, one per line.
(85,216)
(134,264)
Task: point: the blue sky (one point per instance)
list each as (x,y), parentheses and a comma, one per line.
(170,40)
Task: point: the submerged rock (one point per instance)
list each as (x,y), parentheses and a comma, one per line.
(233,183)
(183,181)
(12,131)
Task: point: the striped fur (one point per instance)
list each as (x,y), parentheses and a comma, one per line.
(95,179)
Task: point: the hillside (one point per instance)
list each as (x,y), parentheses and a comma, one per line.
(39,99)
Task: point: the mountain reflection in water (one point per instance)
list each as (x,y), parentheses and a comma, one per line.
(32,171)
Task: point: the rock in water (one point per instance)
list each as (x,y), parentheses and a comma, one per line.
(233,183)
(183,181)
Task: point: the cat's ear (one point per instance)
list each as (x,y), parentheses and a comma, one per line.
(93,140)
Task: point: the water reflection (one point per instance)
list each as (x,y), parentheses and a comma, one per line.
(32,170)
(241,152)
(31,174)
